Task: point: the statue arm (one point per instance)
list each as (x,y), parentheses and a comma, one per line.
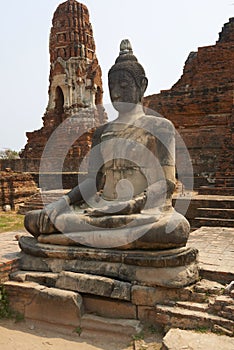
(88,187)
(94,181)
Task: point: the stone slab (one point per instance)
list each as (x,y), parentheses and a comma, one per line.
(109,326)
(216,257)
(45,278)
(92,284)
(44,304)
(177,339)
(109,308)
(149,296)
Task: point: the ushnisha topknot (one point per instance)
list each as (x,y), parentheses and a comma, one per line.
(128,62)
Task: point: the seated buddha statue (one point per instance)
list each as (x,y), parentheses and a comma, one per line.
(125,202)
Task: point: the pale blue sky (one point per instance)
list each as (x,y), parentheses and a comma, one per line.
(162,35)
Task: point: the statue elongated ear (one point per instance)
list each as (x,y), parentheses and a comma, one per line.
(144,84)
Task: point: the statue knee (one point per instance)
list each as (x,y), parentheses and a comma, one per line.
(31,222)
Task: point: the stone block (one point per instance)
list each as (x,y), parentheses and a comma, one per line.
(108,307)
(170,277)
(108,326)
(148,315)
(91,284)
(50,264)
(174,316)
(44,304)
(178,339)
(45,278)
(149,296)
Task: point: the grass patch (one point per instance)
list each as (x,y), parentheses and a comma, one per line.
(138,336)
(5,310)
(10,221)
(78,330)
(202,329)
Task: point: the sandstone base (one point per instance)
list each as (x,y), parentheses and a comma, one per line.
(172,268)
(84,288)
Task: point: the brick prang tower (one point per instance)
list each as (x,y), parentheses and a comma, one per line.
(75,87)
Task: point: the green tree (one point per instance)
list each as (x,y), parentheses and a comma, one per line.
(9,154)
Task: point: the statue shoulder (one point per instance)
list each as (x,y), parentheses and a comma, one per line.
(97,134)
(160,123)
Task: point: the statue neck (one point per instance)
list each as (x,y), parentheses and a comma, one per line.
(133,115)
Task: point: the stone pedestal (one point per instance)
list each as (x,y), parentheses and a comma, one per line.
(172,268)
(134,288)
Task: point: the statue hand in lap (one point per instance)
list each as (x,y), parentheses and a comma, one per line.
(132,206)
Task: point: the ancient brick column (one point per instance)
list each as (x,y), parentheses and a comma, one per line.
(75,85)
(200,105)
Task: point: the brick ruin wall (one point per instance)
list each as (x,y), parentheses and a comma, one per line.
(200,105)
(15,188)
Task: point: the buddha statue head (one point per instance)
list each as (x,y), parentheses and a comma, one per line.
(126,79)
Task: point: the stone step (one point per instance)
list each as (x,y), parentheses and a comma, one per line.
(78,282)
(193,306)
(178,339)
(175,316)
(216,213)
(92,324)
(214,222)
(223,306)
(218,190)
(63,310)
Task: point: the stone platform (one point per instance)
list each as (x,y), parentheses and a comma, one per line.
(172,268)
(98,293)
(216,252)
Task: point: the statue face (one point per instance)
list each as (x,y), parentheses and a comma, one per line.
(124,92)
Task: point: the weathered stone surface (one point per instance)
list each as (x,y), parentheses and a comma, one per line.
(91,284)
(44,304)
(223,306)
(75,87)
(108,326)
(177,339)
(149,296)
(168,268)
(108,307)
(161,258)
(45,278)
(58,265)
(170,277)
(200,105)
(211,287)
(174,316)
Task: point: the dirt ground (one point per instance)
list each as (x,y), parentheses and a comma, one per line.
(20,336)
